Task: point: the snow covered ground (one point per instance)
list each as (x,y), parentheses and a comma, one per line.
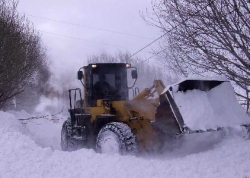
(32,150)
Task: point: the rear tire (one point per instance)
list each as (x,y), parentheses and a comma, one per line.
(116,137)
(67,143)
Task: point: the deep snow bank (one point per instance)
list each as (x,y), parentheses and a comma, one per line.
(21,157)
(44,131)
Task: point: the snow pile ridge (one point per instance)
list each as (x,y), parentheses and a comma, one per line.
(9,123)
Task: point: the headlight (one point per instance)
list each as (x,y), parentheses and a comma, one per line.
(128,65)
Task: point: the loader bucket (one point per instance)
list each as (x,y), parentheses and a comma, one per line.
(203,85)
(199,105)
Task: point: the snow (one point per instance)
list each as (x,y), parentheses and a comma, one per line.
(212,109)
(43,130)
(23,156)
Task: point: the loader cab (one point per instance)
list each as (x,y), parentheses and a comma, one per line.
(109,81)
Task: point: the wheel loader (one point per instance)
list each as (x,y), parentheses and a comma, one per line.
(109,121)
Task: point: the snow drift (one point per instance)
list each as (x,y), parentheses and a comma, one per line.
(22,157)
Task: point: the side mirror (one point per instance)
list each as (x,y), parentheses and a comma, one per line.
(79,75)
(134,74)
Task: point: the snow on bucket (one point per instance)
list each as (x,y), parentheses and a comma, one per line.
(208,104)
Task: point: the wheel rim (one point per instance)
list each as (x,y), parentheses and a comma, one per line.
(110,144)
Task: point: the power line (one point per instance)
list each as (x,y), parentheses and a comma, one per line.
(90,27)
(168,31)
(81,39)
(148,45)
(153,55)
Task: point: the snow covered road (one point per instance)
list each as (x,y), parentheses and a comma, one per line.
(32,151)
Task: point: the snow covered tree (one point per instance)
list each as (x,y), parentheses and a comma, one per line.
(23,64)
(205,36)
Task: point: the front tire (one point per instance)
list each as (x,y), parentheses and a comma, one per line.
(67,143)
(116,137)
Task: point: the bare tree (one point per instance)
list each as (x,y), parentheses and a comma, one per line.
(207,36)
(22,57)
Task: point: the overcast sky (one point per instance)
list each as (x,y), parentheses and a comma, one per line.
(90,26)
(74,29)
